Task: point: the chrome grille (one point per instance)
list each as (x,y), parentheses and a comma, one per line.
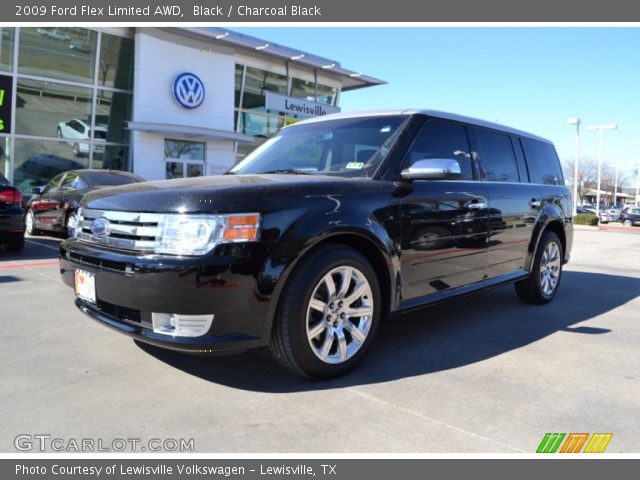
(126,230)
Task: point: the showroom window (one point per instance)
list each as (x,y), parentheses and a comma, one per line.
(64,53)
(48,109)
(7,36)
(251,116)
(73,99)
(183,158)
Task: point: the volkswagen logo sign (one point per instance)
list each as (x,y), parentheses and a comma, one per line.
(100,227)
(188,90)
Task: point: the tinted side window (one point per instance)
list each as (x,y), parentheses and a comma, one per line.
(497,158)
(542,161)
(442,140)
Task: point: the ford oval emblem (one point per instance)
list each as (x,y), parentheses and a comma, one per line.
(188,90)
(100,227)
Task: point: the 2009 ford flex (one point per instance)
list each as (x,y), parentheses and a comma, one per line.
(321,232)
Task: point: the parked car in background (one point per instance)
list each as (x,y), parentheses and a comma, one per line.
(80,47)
(582,210)
(630,216)
(54,206)
(11,216)
(610,215)
(53,34)
(79,129)
(39,169)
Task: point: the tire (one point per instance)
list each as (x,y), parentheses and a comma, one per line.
(76,149)
(70,223)
(547,265)
(30,223)
(318,339)
(16,242)
(627,223)
(59,132)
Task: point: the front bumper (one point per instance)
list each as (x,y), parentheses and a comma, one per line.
(129,288)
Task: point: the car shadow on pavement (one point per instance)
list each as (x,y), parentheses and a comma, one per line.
(35,248)
(433,339)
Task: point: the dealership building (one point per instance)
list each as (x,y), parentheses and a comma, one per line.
(160,102)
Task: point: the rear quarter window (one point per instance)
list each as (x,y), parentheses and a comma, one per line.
(542,162)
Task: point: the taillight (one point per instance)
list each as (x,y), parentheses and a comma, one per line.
(10,196)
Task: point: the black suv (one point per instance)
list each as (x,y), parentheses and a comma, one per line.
(630,216)
(325,229)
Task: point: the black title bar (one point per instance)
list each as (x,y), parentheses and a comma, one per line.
(260,11)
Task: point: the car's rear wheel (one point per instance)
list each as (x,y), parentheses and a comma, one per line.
(76,149)
(328,314)
(627,223)
(15,242)
(542,285)
(30,223)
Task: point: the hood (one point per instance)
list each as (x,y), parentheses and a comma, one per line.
(215,194)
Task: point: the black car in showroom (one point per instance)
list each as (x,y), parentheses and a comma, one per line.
(53,207)
(11,216)
(321,232)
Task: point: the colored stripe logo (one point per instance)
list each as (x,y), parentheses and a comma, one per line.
(573,442)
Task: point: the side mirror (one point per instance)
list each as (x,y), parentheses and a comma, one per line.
(433,169)
(38,190)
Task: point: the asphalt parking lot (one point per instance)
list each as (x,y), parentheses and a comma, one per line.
(482,374)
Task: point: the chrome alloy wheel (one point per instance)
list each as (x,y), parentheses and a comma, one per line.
(339,315)
(30,222)
(550,268)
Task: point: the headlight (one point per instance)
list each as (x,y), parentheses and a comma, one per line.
(194,234)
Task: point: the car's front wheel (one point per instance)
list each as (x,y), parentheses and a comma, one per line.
(30,223)
(70,224)
(543,282)
(328,313)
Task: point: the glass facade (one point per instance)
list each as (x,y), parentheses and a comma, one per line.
(183,158)
(252,117)
(73,96)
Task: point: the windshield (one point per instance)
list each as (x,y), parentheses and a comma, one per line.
(350,147)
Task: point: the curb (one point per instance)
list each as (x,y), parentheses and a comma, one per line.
(619,227)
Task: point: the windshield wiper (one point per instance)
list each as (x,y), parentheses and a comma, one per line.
(293,171)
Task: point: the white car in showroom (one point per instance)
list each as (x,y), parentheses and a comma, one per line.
(77,130)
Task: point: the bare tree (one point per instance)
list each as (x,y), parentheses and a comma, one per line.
(108,58)
(588,177)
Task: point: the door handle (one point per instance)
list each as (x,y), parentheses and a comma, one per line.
(478,205)
(535,203)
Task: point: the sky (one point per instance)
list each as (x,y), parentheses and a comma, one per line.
(528,78)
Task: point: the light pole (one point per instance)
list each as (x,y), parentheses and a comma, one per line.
(601,129)
(575,121)
(637,144)
(617,167)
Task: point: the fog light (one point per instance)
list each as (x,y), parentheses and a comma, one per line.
(178,325)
